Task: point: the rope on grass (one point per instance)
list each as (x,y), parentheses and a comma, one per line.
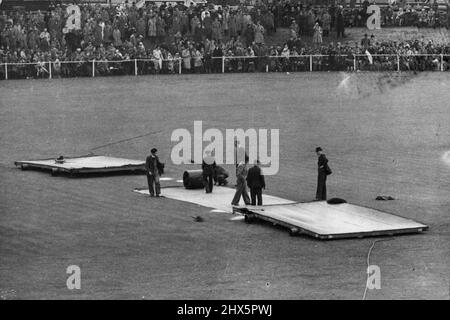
(125,140)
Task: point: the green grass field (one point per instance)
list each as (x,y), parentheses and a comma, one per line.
(384,134)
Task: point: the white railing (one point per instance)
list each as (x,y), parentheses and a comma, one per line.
(93,68)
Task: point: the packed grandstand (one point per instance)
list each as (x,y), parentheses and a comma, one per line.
(93,38)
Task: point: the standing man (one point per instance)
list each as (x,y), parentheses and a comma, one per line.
(323,171)
(239,153)
(255,181)
(241,188)
(340,26)
(154,169)
(365,42)
(208,167)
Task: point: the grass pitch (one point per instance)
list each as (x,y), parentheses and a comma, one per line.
(383,133)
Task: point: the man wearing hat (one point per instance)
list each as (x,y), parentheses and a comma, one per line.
(323,171)
(154,169)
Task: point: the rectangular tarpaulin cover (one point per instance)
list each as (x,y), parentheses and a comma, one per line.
(318,219)
(344,220)
(219,199)
(85,164)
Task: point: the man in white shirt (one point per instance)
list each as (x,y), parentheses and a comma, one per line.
(157,56)
(241,186)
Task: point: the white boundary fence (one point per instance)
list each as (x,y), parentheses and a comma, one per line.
(350,62)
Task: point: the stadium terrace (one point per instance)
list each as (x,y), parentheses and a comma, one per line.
(95,40)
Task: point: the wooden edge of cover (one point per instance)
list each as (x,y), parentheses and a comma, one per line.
(296,230)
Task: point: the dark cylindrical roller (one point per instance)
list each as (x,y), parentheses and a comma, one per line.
(193,179)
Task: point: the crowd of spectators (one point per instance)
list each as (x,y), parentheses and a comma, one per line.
(192,39)
(394,13)
(419,14)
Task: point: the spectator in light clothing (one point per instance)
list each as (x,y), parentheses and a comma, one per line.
(286,52)
(45,40)
(45,35)
(117,40)
(152,27)
(157,56)
(186,55)
(317,38)
(259,33)
(198,63)
(216,30)
(241,188)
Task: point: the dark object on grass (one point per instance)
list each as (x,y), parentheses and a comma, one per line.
(336,201)
(220,176)
(60,159)
(198,219)
(193,179)
(384,198)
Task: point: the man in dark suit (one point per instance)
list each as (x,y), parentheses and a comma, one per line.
(255,181)
(340,26)
(154,169)
(323,171)
(208,167)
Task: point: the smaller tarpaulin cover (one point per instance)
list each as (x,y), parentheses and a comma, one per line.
(84,164)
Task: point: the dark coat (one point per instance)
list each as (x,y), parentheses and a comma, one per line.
(322,163)
(208,168)
(152,164)
(340,21)
(255,179)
